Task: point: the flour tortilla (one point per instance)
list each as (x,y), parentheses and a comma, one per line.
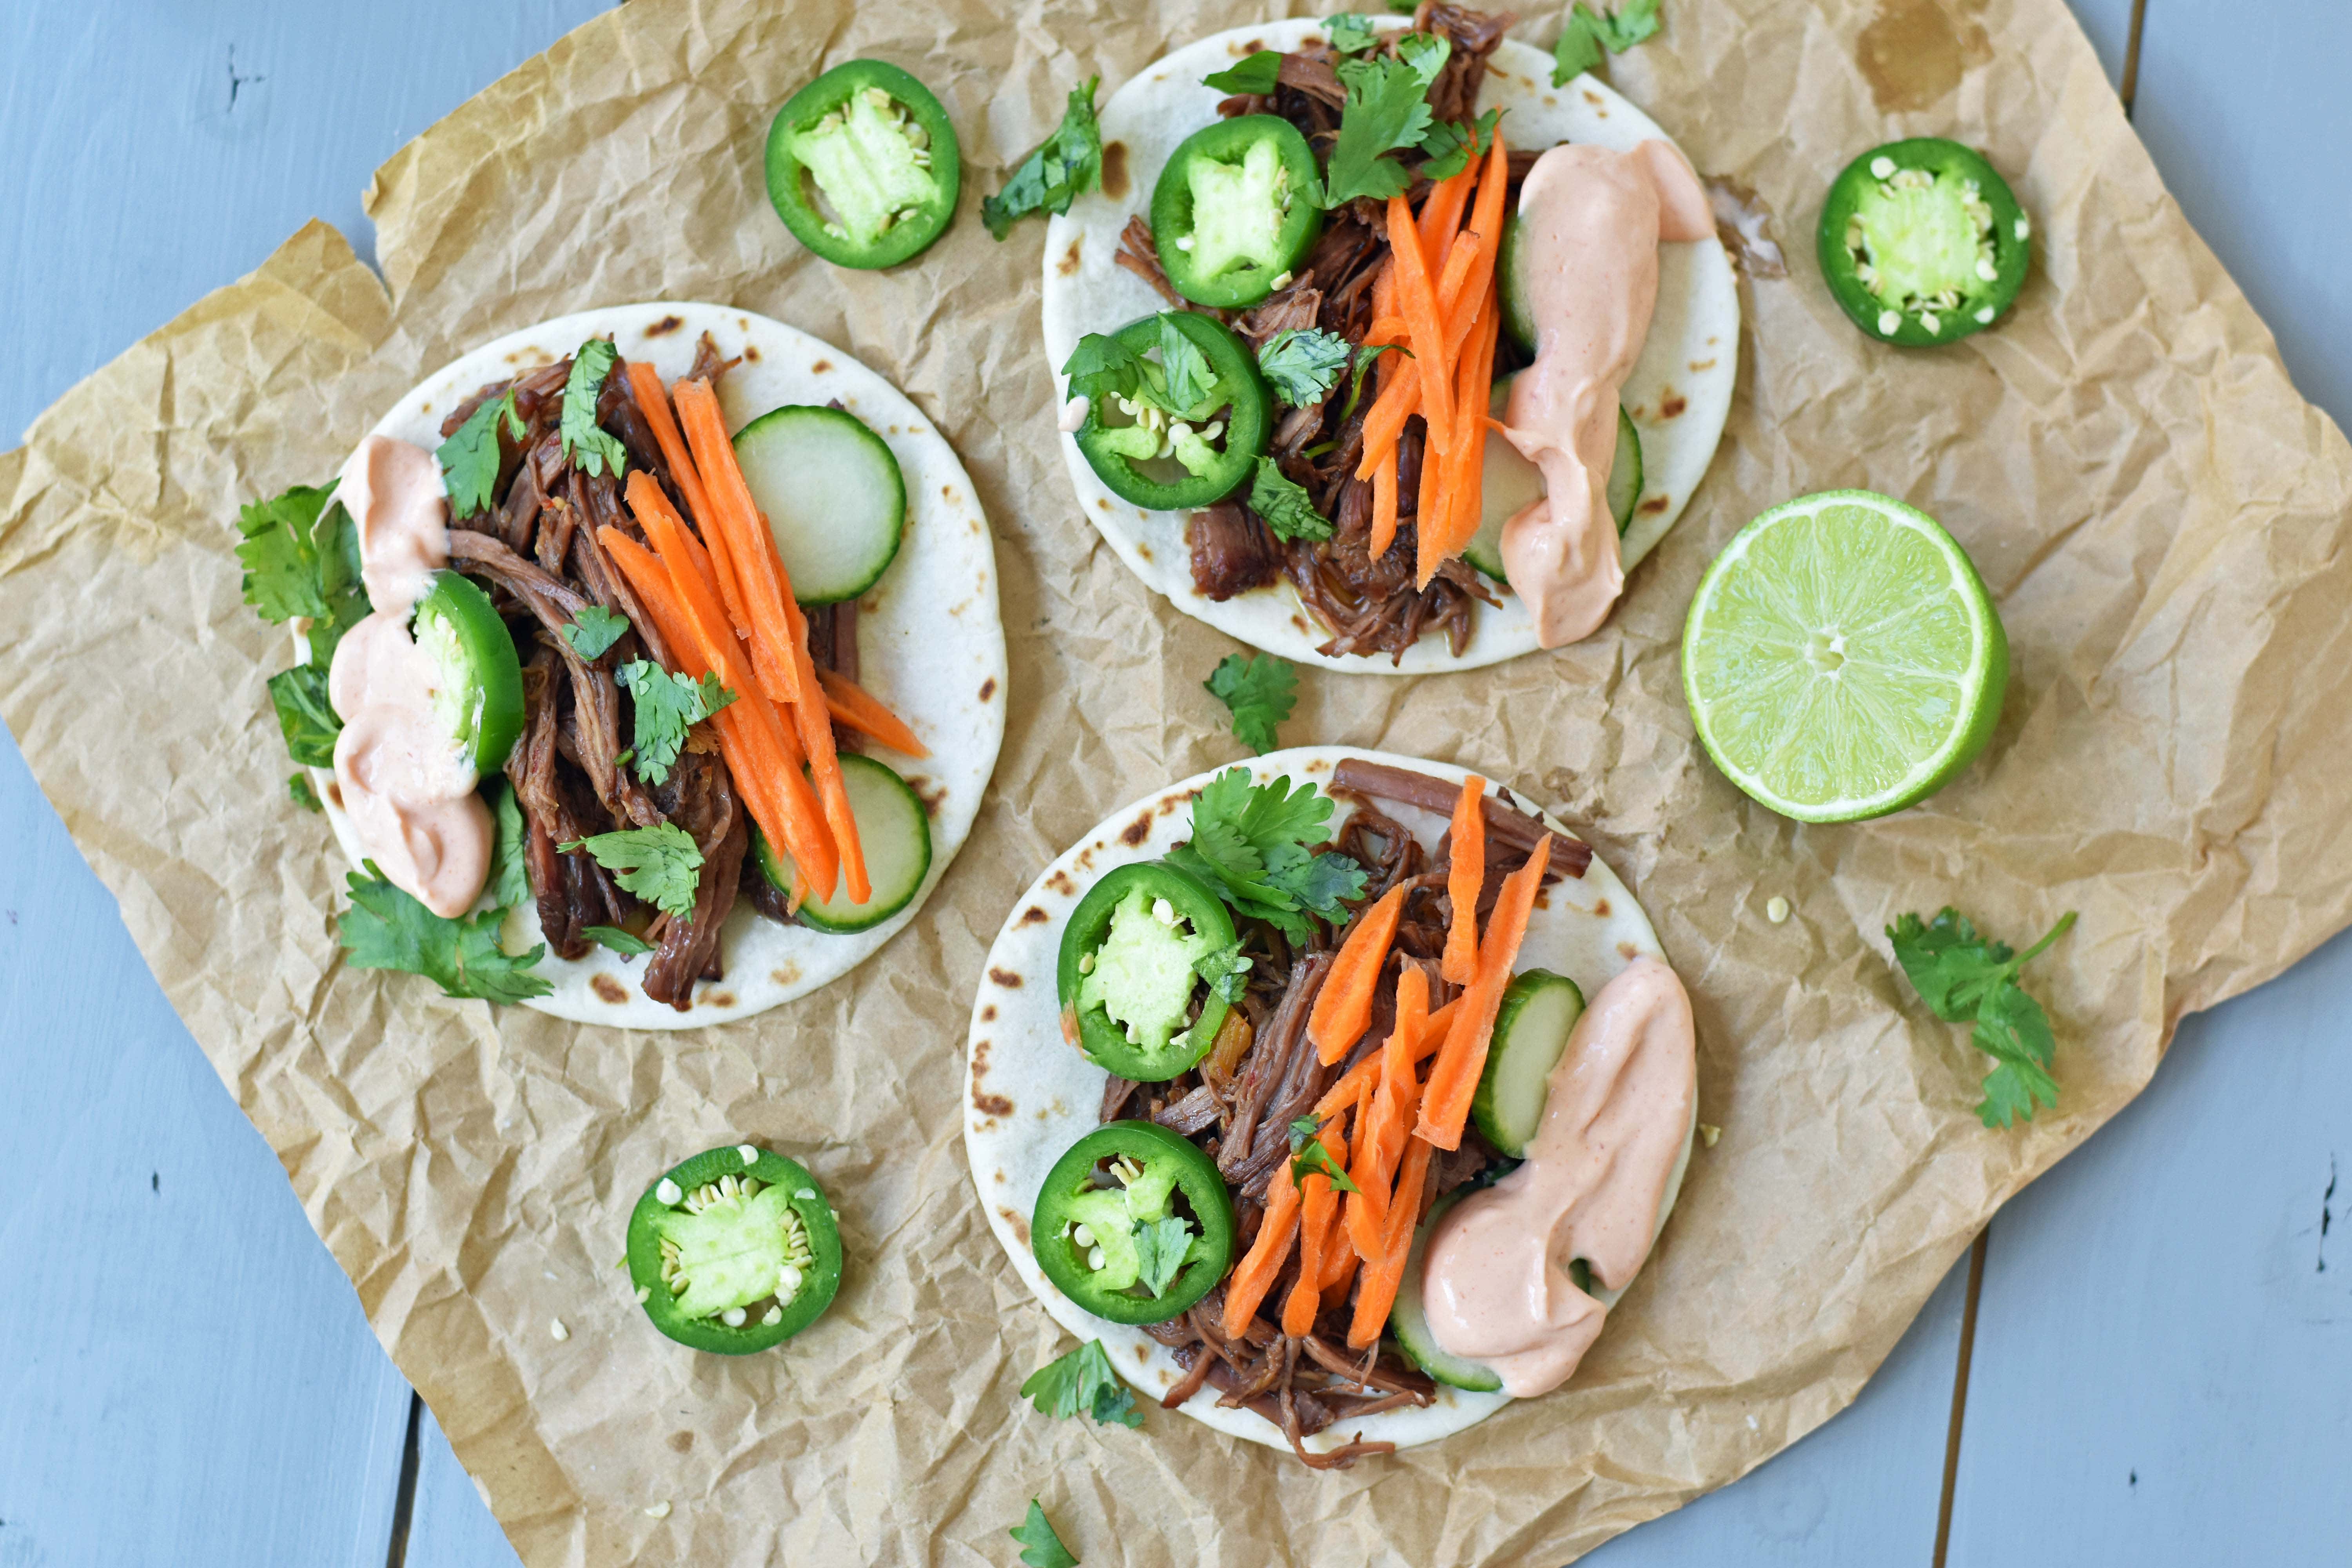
(1029,1094)
(930,640)
(1679,394)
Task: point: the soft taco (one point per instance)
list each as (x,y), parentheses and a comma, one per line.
(650,666)
(1244,1035)
(1243,347)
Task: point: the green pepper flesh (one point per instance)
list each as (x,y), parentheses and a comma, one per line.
(1125,975)
(732,1256)
(1158,466)
(1923,242)
(863,165)
(1234,213)
(1117,1180)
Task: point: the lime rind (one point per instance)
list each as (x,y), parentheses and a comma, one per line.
(1842,658)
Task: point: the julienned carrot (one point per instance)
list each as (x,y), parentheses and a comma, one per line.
(852,705)
(1344,1006)
(1400,395)
(776,626)
(1417,303)
(645,387)
(1368,1206)
(1466,874)
(1440,210)
(1384,506)
(1454,1081)
(1460,487)
(1453,280)
(1255,1276)
(760,773)
(1318,1205)
(1378,1291)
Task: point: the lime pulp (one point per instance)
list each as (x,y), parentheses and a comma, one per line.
(1842,658)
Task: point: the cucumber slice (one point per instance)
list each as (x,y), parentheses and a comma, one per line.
(1517,319)
(833,494)
(1531,1029)
(1410,1323)
(893,829)
(1510,482)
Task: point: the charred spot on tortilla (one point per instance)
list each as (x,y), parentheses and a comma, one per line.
(1600,907)
(1005,978)
(988,1014)
(820,367)
(666,326)
(1032,915)
(1060,883)
(788,975)
(1019,1224)
(1674,403)
(933,795)
(1069,263)
(608,989)
(1657,504)
(715,999)
(1136,832)
(988,688)
(1114,170)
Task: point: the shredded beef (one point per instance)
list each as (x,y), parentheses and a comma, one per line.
(1232,551)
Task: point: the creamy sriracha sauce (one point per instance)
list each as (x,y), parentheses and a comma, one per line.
(1496,1286)
(1591,222)
(408,785)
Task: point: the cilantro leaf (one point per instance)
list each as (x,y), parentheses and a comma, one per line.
(1184,367)
(1308,1157)
(1349,34)
(1364,358)
(1101,366)
(1284,505)
(1588,33)
(469,459)
(510,882)
(1450,147)
(595,630)
(660,864)
(1040,1547)
(299,791)
(666,707)
(1255,75)
(585,442)
(1063,167)
(1303,366)
(1225,970)
(619,941)
(1386,107)
(1261,691)
(1965,977)
(1426,53)
(1250,843)
(386,929)
(305,716)
(280,556)
(1082,1384)
(1160,1246)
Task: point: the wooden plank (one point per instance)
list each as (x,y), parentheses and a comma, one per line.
(1862,1488)
(185,1363)
(2246,112)
(2164,1345)
(450,1526)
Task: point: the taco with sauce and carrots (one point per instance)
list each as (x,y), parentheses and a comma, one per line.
(1389,355)
(614,680)
(1291,1084)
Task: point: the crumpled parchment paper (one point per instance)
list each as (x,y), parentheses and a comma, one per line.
(2162,518)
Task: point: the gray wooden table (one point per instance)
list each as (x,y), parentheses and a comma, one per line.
(2150,1361)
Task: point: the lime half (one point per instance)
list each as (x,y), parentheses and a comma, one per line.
(1842,659)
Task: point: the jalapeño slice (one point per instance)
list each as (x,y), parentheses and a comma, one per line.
(1165,460)
(1132,994)
(1133,1224)
(734,1251)
(1921,242)
(863,165)
(1234,213)
(478,693)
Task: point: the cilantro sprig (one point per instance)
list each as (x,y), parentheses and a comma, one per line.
(1260,690)
(1082,1384)
(595,630)
(509,879)
(1251,843)
(1967,978)
(1449,146)
(1160,1246)
(667,706)
(388,929)
(301,559)
(471,459)
(1387,109)
(1587,34)
(661,864)
(1349,35)
(1303,366)
(1063,167)
(1040,1546)
(588,444)
(1310,1158)
(1253,75)
(1284,505)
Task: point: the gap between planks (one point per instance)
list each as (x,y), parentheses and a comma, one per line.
(404,1507)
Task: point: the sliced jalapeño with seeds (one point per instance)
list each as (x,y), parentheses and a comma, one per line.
(1922,242)
(863,165)
(734,1251)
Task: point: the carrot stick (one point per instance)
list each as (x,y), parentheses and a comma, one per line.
(1466,874)
(1418,302)
(1440,210)
(1384,506)
(1384,421)
(1254,1276)
(1477,390)
(1383,1110)
(1316,1206)
(1345,1003)
(1378,1292)
(778,634)
(1459,486)
(1453,1082)
(1453,283)
(653,402)
(1339,1267)
(860,709)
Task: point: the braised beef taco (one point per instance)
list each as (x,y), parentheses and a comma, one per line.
(1377,459)
(650,667)
(1302,1110)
